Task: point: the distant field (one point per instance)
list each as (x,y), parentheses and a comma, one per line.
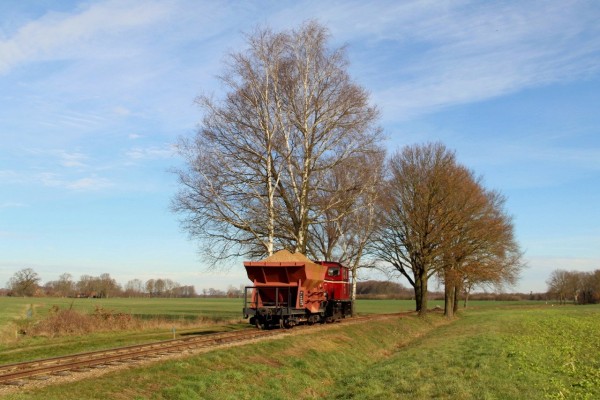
(492,351)
(216,309)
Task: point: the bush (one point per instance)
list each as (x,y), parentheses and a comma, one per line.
(64,322)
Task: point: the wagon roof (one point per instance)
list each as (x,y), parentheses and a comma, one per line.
(282,258)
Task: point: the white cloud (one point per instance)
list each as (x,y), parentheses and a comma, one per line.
(487,50)
(10,176)
(10,204)
(72,159)
(122,111)
(65,158)
(452,52)
(420,56)
(63,36)
(91,183)
(152,152)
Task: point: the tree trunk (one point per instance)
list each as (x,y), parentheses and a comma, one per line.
(448,300)
(467,293)
(421,292)
(457,290)
(353,296)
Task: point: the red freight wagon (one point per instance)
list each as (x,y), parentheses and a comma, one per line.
(289,289)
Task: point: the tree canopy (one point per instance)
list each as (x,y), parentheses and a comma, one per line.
(24,282)
(438,219)
(258,173)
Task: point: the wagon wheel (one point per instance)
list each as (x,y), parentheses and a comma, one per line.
(287,324)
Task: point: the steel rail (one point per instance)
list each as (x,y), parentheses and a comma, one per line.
(13,373)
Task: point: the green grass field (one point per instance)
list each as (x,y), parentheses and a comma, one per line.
(12,308)
(488,353)
(186,315)
(491,351)
(217,309)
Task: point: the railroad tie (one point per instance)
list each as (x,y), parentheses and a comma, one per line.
(15,383)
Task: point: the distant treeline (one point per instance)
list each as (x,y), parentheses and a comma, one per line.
(26,282)
(563,286)
(394,290)
(574,286)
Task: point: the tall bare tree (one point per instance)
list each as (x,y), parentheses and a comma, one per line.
(479,248)
(438,219)
(350,201)
(564,285)
(24,282)
(63,287)
(134,288)
(413,226)
(290,115)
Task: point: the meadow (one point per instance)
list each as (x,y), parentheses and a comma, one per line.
(490,351)
(186,316)
(215,309)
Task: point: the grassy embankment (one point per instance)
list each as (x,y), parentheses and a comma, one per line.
(161,316)
(487,353)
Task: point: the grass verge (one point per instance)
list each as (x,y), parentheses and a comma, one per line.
(519,353)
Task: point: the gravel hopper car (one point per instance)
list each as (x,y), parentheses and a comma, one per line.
(289,289)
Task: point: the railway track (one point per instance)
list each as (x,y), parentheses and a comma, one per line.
(16,373)
(19,373)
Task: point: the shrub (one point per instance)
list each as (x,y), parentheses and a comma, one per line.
(64,322)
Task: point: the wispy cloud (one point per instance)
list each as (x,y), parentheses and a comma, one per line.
(452,52)
(122,111)
(91,183)
(72,159)
(10,176)
(480,51)
(461,51)
(151,152)
(62,157)
(63,35)
(9,204)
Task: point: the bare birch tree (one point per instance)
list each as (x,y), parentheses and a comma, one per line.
(290,115)
(351,213)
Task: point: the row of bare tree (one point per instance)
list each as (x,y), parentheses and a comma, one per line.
(292,156)
(574,286)
(26,282)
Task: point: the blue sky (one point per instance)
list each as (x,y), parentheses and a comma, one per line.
(93,95)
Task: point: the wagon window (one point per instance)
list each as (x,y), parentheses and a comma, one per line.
(333,271)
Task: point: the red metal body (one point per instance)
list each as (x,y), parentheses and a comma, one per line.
(302,279)
(289,289)
(337,281)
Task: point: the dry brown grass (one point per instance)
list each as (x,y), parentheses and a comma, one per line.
(66,322)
